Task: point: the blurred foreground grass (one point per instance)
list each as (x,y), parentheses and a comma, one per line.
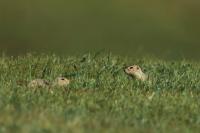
(100,98)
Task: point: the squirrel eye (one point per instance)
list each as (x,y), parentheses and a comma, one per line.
(62,79)
(138,68)
(131,67)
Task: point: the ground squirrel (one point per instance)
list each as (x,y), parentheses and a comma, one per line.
(38,83)
(61,81)
(136,72)
(41,83)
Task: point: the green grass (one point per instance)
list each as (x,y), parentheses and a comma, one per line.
(101,97)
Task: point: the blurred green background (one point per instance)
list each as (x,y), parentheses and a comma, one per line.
(169,29)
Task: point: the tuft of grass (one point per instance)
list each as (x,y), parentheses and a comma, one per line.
(101,97)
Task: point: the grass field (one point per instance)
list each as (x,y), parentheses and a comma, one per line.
(101,97)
